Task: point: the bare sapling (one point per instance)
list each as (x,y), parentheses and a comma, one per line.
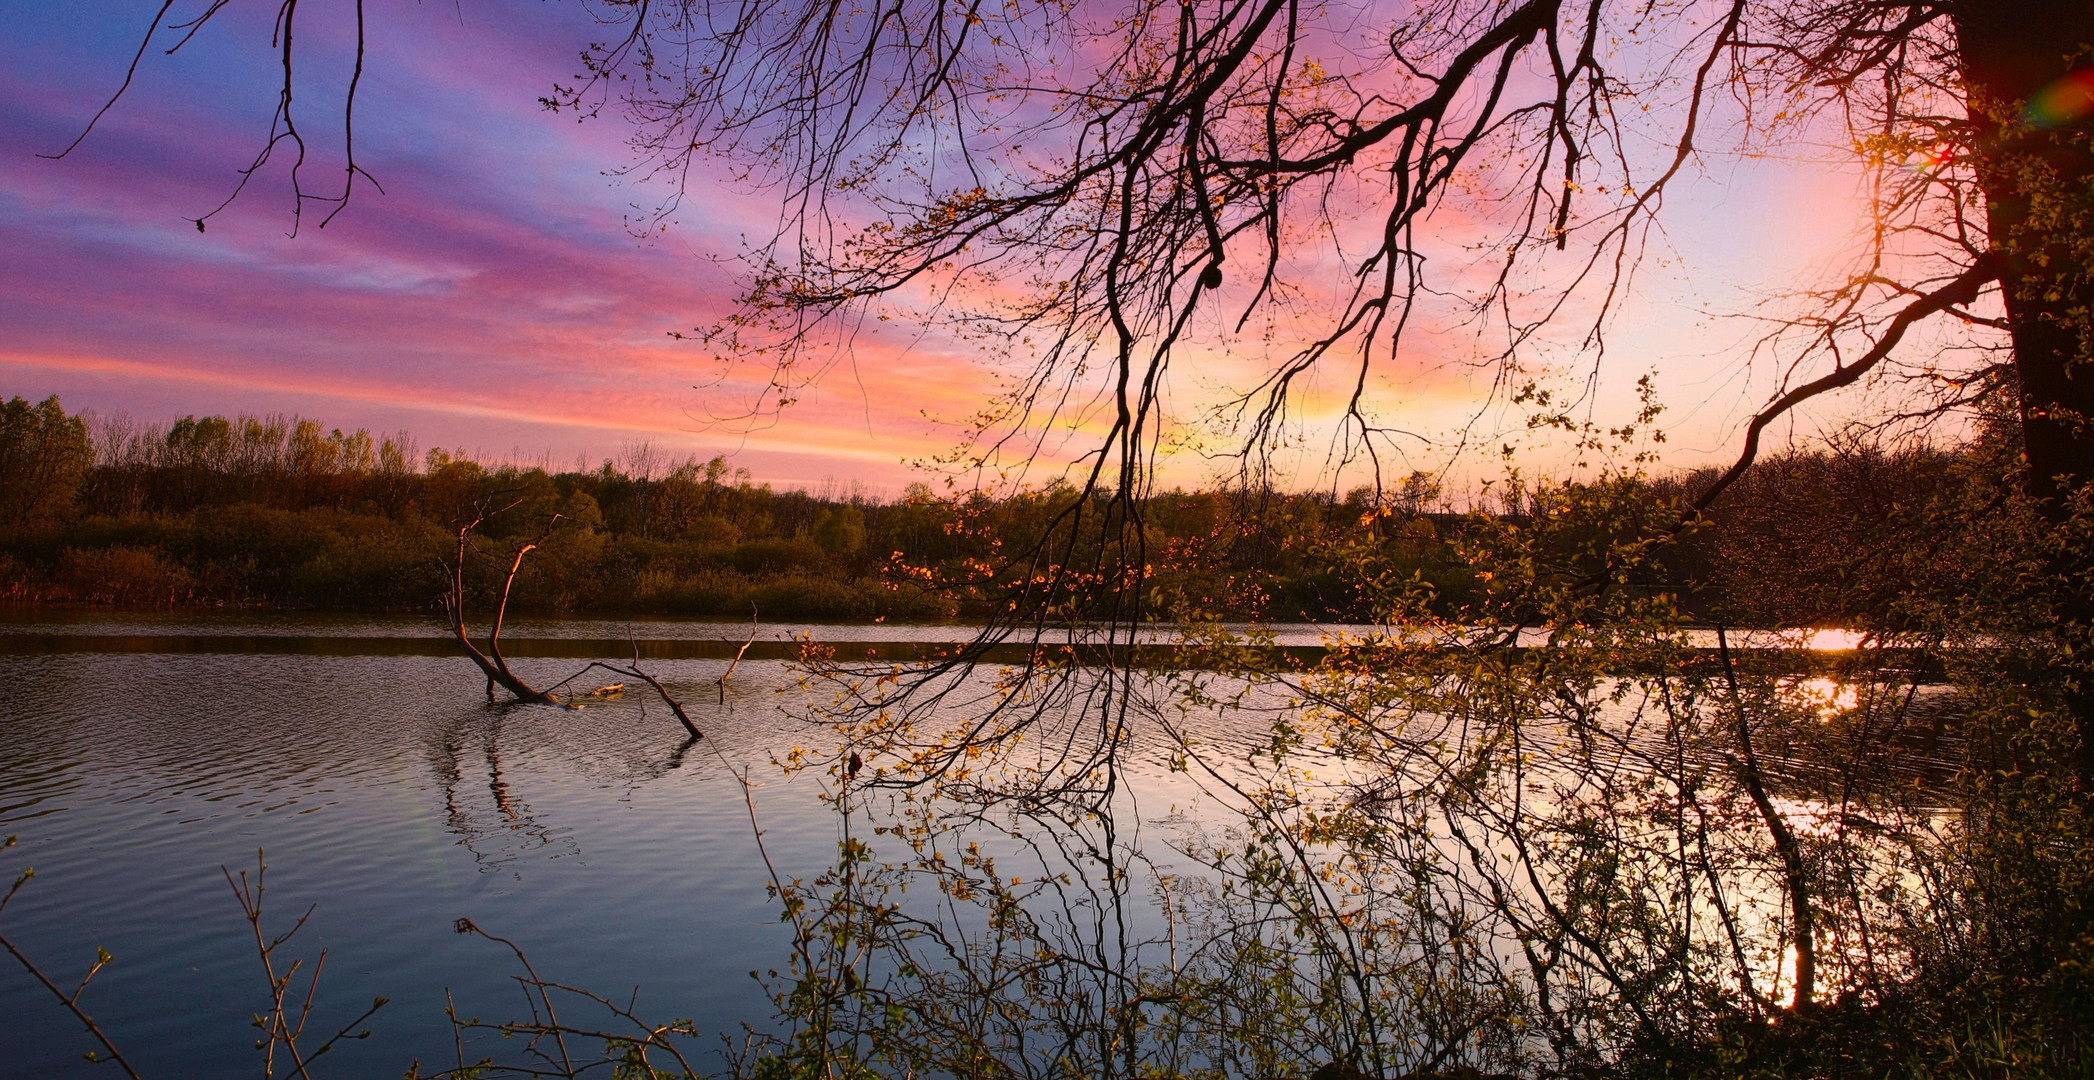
(738,654)
(631,1045)
(285,1022)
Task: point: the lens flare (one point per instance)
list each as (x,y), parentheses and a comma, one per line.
(1930,161)
(2062,102)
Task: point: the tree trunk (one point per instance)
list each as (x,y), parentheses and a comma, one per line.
(2038,181)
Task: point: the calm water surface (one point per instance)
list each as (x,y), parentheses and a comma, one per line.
(392,800)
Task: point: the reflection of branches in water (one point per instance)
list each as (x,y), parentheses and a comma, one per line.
(502,829)
(496,786)
(630,1045)
(1441,856)
(611,746)
(676,757)
(498,826)
(634,773)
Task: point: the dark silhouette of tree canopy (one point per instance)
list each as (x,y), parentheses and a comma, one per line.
(1114,181)
(1101,185)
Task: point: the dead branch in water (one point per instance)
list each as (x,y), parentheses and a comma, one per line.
(496,667)
(738,654)
(637,672)
(491,663)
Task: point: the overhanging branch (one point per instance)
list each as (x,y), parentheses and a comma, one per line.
(1962,290)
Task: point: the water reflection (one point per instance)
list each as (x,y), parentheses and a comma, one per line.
(490,820)
(35,631)
(391,796)
(618,851)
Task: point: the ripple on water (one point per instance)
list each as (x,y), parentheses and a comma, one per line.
(393,800)
(389,797)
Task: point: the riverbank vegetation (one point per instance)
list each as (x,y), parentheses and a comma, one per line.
(1435,850)
(1440,854)
(1636,852)
(1628,854)
(282,512)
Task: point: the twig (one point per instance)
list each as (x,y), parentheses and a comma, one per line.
(1962,290)
(130,73)
(467,926)
(738,654)
(279,1028)
(70,1001)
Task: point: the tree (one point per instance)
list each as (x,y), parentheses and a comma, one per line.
(1096,186)
(1114,157)
(44,454)
(1080,182)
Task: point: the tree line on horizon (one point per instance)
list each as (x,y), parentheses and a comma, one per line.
(284,512)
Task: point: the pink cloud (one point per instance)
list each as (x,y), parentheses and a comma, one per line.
(493,296)
(493,290)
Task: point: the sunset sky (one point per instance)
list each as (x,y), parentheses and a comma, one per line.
(492,299)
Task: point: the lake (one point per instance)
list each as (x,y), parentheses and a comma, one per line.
(141,756)
(393,800)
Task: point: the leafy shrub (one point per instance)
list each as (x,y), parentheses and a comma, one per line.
(840,532)
(20,581)
(812,598)
(388,565)
(123,575)
(712,592)
(777,556)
